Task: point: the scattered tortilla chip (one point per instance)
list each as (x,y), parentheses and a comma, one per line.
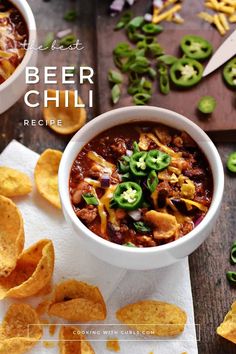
(227,329)
(46,176)
(20,330)
(14,183)
(72,118)
(43,307)
(11,236)
(153,318)
(77,301)
(73,341)
(33,271)
(113,345)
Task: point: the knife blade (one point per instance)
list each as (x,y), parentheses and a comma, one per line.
(225,52)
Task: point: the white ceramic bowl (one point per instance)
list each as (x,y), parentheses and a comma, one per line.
(141,258)
(14,87)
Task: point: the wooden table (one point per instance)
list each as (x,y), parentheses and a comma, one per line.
(211,293)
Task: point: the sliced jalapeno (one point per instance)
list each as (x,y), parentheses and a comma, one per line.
(138,164)
(186,72)
(229,73)
(157,160)
(231,162)
(152,181)
(196,47)
(207,104)
(128,195)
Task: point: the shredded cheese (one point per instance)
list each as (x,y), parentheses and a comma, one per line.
(196,204)
(206,17)
(105,201)
(218,24)
(166,14)
(224,21)
(100,160)
(165,148)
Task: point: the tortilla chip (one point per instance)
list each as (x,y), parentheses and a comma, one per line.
(11,236)
(46,176)
(227,329)
(33,271)
(73,341)
(77,301)
(13,183)
(72,118)
(20,330)
(165,225)
(153,318)
(113,345)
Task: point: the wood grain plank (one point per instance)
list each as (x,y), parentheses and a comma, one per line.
(182,101)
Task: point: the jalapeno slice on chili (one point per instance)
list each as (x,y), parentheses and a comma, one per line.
(157,160)
(128,195)
(186,72)
(138,164)
(231,162)
(229,73)
(196,47)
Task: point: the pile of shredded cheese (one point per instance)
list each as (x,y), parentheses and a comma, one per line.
(224,14)
(167,10)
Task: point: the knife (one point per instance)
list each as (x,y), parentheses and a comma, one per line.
(225,52)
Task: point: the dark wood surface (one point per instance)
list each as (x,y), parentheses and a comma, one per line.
(211,293)
(182,101)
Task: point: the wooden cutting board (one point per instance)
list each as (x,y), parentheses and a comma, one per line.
(181,101)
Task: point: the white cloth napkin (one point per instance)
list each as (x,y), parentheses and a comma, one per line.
(119,287)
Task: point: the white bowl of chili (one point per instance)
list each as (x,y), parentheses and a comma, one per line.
(172,248)
(22,32)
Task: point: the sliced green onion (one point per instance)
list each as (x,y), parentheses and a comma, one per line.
(135,147)
(141,98)
(123,21)
(231,276)
(129,244)
(90,199)
(115,77)
(233,253)
(68,40)
(136,22)
(141,226)
(168,59)
(70,15)
(152,181)
(151,28)
(48,41)
(115,93)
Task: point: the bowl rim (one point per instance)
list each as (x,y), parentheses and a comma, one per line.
(29,18)
(217,189)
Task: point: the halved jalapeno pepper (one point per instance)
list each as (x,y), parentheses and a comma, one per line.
(128,195)
(138,164)
(229,73)
(186,72)
(196,47)
(157,160)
